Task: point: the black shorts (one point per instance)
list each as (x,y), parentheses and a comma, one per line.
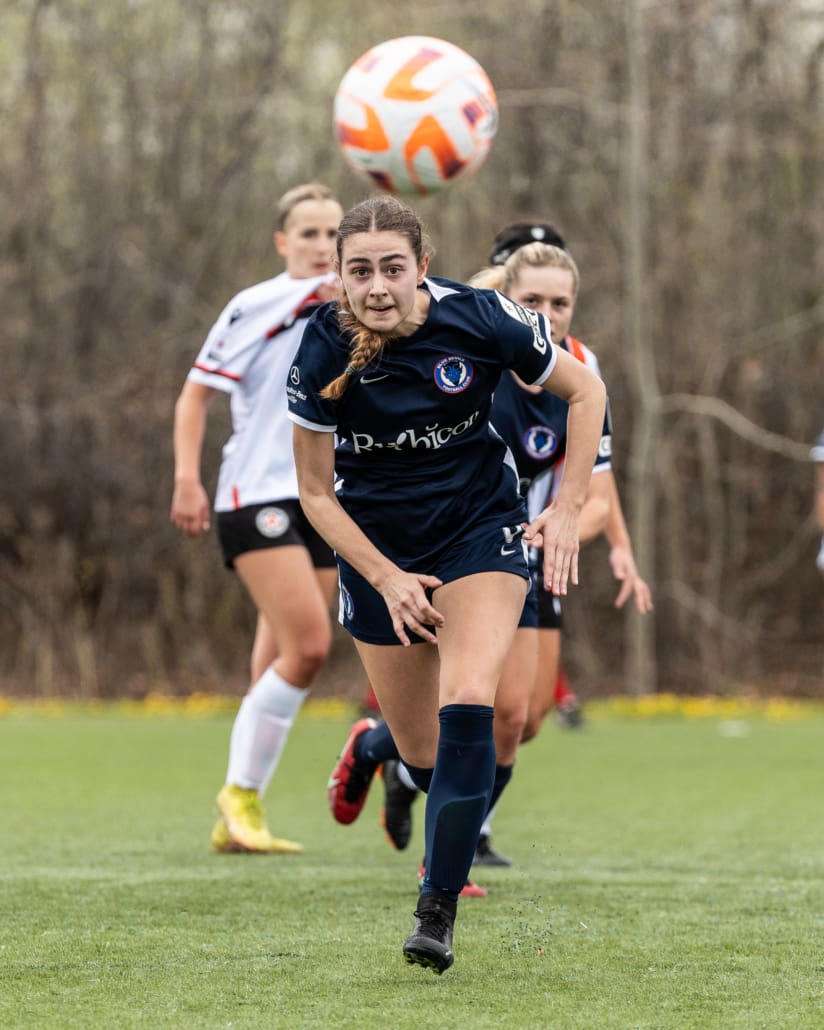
(542,609)
(258,527)
(490,547)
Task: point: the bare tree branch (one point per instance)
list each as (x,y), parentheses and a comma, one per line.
(714,407)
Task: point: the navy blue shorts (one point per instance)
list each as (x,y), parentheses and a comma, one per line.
(487,548)
(542,609)
(258,527)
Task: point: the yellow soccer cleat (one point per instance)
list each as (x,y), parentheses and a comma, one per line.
(221,839)
(245,824)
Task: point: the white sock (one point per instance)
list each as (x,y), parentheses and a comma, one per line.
(405,778)
(486,829)
(261,727)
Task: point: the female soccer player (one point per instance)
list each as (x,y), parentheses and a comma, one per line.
(533,424)
(422,507)
(287,568)
(545,278)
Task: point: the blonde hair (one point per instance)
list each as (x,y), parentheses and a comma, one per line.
(537,255)
(296,195)
(381,213)
(491,278)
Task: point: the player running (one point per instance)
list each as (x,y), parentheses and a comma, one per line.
(421,504)
(287,568)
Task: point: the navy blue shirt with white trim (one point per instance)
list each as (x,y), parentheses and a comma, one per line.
(417,462)
(534,427)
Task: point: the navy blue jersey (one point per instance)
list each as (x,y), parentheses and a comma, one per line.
(534,427)
(416,460)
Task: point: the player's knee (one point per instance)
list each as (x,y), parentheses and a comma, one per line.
(308,656)
(531,727)
(509,728)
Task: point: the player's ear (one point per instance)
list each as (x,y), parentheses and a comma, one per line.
(423,268)
(279,239)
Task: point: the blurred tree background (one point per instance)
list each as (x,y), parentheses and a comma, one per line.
(678,145)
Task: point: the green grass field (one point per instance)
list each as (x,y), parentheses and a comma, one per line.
(670,873)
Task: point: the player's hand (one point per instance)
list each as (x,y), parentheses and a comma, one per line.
(409,607)
(624,570)
(190,508)
(556,531)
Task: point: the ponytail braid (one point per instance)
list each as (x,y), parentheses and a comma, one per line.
(366,345)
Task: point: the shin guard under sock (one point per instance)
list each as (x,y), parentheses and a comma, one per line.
(458,797)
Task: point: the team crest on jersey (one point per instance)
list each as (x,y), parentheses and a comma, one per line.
(346,603)
(540,442)
(453,374)
(271,522)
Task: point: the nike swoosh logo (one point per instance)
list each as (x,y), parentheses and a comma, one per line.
(506,550)
(373,379)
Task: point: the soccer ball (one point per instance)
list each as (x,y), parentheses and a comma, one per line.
(415,114)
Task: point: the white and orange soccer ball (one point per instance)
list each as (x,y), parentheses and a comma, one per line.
(415,114)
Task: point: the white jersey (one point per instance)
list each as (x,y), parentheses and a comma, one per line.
(248,354)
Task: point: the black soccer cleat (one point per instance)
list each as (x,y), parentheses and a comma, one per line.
(485,854)
(396,815)
(430,943)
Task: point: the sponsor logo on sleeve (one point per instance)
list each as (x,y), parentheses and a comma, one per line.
(530,318)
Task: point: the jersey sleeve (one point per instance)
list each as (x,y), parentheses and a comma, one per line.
(320,358)
(231,346)
(524,338)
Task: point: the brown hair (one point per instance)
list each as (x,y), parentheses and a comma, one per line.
(381,213)
(296,195)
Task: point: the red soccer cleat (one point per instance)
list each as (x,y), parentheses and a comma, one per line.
(349,783)
(470,888)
